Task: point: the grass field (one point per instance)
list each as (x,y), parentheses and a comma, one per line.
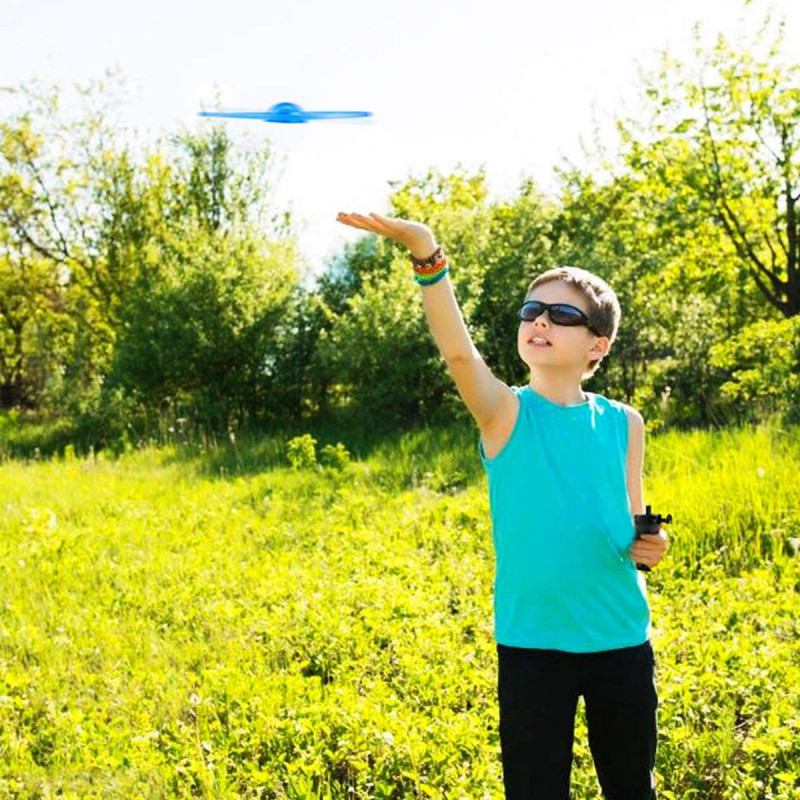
(225,626)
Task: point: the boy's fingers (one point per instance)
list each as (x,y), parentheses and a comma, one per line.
(638,554)
(643,545)
(376,219)
(366,220)
(386,223)
(389,222)
(390,227)
(648,541)
(650,544)
(381,225)
(356,220)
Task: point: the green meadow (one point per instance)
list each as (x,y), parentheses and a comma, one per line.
(183,624)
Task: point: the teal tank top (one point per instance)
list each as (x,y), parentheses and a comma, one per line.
(561,528)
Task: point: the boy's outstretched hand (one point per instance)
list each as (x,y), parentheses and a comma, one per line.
(650,548)
(418,238)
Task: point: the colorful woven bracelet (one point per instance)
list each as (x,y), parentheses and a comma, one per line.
(430,280)
(435,256)
(432,269)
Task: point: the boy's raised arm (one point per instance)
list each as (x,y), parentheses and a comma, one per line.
(483,394)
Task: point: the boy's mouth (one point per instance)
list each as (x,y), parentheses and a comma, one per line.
(539,341)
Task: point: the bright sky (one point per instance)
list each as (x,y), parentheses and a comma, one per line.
(509,84)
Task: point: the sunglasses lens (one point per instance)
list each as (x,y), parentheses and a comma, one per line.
(560,313)
(530,311)
(566,315)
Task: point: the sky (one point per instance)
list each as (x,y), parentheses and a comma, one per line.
(512,86)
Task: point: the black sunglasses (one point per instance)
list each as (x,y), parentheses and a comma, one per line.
(559,313)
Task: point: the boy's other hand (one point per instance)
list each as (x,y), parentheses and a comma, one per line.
(418,238)
(650,548)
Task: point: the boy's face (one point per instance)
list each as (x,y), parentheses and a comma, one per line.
(570,348)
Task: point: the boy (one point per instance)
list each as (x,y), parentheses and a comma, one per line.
(565,479)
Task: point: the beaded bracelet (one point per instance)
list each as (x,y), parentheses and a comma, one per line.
(432,269)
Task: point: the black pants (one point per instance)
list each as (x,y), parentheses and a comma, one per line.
(538,694)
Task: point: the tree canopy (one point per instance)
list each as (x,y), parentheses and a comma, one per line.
(139,284)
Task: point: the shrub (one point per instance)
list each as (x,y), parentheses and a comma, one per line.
(301,451)
(762,366)
(335,456)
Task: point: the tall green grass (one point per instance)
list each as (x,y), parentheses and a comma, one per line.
(180,624)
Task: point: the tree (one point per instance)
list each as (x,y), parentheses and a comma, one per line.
(375,349)
(727,130)
(175,238)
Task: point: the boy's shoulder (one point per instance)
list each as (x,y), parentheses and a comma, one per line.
(632,414)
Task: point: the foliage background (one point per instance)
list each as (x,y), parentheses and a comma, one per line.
(146,287)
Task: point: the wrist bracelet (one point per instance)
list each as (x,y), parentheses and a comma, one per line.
(432,269)
(429,281)
(431,259)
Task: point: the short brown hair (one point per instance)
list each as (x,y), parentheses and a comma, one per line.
(604,311)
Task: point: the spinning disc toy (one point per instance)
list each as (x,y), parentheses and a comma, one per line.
(286,112)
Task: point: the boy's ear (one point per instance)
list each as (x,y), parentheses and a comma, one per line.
(600,347)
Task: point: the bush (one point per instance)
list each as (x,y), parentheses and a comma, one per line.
(762,366)
(335,456)
(301,451)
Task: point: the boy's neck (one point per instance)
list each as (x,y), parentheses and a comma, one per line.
(561,390)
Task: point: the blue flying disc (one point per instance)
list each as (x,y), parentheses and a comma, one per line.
(286,112)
